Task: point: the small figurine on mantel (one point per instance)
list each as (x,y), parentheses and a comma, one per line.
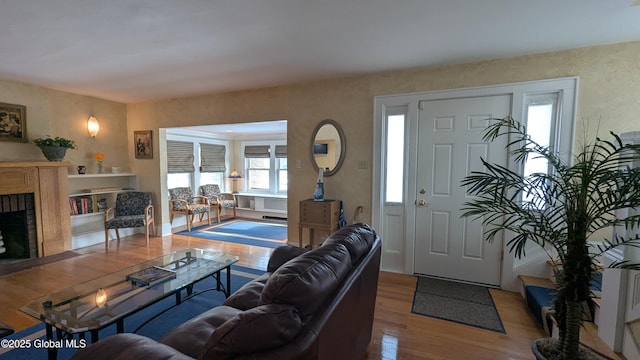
(318,194)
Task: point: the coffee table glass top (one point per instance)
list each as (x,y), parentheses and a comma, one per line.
(101,301)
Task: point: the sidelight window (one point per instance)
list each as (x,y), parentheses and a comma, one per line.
(394,158)
(541,119)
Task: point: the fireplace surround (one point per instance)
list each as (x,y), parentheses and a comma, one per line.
(47,182)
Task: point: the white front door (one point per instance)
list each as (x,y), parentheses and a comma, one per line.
(449,147)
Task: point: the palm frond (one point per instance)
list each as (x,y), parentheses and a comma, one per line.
(561,209)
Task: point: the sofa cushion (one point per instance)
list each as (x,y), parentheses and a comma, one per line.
(248,295)
(358,239)
(258,329)
(308,279)
(125,346)
(282,254)
(190,337)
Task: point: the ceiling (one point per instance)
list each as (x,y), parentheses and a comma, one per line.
(132,51)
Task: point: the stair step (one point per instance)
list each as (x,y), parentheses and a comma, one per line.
(589,332)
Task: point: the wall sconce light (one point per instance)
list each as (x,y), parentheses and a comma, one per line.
(93,126)
(234,176)
(101,297)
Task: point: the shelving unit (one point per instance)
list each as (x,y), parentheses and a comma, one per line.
(258,205)
(88,228)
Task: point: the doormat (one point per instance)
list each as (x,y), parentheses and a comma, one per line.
(265,233)
(458,302)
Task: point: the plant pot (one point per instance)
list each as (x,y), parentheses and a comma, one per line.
(53,153)
(543,349)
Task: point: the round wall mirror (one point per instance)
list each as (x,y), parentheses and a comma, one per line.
(328,147)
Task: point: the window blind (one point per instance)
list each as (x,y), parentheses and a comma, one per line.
(212,158)
(179,157)
(257,151)
(281,151)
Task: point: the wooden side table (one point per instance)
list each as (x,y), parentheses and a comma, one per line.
(318,215)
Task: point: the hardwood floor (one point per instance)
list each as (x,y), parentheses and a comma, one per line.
(397,333)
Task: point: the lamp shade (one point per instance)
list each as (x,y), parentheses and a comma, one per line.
(93,127)
(234,175)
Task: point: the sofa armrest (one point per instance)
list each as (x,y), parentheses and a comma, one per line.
(128,346)
(282,254)
(191,336)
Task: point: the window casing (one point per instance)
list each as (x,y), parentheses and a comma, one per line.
(266,167)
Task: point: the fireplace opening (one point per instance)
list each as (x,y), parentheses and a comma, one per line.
(13,230)
(17,227)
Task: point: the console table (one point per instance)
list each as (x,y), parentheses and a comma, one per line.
(318,215)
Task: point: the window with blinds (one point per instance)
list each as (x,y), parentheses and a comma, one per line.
(281,151)
(266,168)
(179,157)
(281,164)
(257,151)
(212,158)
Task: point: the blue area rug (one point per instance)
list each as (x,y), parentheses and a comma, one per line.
(154,329)
(265,233)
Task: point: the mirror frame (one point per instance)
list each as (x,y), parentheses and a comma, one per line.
(343,145)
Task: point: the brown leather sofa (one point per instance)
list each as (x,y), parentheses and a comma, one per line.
(316,304)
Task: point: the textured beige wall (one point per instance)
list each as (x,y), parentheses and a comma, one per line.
(609,87)
(57,113)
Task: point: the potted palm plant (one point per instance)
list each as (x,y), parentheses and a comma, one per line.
(54,149)
(559,210)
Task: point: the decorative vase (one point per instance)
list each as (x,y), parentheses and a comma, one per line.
(100,169)
(318,194)
(53,153)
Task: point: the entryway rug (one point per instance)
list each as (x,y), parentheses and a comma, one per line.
(458,302)
(154,329)
(265,233)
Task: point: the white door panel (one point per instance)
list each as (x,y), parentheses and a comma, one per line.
(449,148)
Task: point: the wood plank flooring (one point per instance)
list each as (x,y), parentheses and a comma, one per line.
(397,333)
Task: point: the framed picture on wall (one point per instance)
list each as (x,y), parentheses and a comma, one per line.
(143,144)
(13,122)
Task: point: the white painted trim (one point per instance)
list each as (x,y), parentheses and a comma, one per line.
(568,88)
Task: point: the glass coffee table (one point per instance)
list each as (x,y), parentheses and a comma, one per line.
(98,303)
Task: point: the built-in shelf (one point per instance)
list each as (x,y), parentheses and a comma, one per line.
(84,176)
(88,228)
(99,192)
(266,204)
(97,213)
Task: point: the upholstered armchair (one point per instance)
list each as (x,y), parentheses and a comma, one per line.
(133,209)
(219,200)
(183,202)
